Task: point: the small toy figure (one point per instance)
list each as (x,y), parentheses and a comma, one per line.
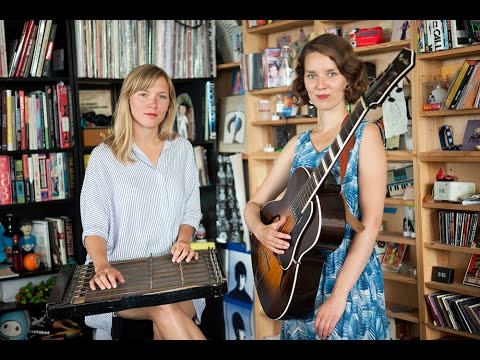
(27,240)
(14,325)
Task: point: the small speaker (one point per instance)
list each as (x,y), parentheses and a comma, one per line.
(442,274)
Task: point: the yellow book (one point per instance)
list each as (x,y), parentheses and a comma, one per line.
(202,245)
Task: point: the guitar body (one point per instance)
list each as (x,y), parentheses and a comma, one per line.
(287,284)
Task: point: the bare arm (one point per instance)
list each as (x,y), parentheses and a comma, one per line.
(273,185)
(372,188)
(181,248)
(105,275)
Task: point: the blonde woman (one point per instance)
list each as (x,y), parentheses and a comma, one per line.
(140,196)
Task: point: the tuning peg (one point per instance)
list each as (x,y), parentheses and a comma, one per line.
(398,89)
(391,99)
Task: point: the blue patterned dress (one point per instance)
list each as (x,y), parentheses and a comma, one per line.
(365,314)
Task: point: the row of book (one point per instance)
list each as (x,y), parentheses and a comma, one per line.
(436,35)
(185,49)
(31,53)
(37,119)
(457,228)
(36,177)
(456,311)
(463,91)
(265,69)
(54,241)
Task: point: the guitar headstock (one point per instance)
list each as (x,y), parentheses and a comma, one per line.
(389,78)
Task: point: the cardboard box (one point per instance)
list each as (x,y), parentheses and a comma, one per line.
(94,136)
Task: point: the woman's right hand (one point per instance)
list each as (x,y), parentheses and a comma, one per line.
(272,238)
(106,277)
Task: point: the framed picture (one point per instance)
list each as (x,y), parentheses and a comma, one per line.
(240,277)
(97,100)
(232,124)
(471,138)
(400,30)
(238,321)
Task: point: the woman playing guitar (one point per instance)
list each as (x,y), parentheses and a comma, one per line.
(348,293)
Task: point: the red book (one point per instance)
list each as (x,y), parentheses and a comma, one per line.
(5,181)
(22,57)
(64,121)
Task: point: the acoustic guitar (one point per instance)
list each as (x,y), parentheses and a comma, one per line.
(287,284)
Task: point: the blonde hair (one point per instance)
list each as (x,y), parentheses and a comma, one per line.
(121,136)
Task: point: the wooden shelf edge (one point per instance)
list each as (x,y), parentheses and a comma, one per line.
(429,203)
(279,26)
(260,155)
(454,156)
(450,53)
(454,287)
(461,249)
(283,122)
(228,66)
(393,276)
(396,237)
(271,91)
(410,316)
(453,112)
(400,155)
(452,331)
(383,47)
(399,201)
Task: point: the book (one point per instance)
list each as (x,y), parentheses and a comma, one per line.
(472,275)
(456,86)
(49,51)
(471,137)
(473,199)
(393,256)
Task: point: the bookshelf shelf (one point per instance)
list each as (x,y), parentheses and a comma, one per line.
(382,48)
(263,155)
(428,203)
(270,91)
(400,155)
(450,112)
(451,53)
(455,155)
(454,287)
(283,122)
(452,331)
(399,201)
(393,276)
(228,66)
(283,25)
(460,249)
(397,237)
(410,316)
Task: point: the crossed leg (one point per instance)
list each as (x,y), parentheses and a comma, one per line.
(170,321)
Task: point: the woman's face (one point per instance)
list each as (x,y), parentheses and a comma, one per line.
(149,107)
(324,83)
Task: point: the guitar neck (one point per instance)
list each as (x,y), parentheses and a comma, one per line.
(347,130)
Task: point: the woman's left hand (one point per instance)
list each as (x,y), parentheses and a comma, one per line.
(328,315)
(181,250)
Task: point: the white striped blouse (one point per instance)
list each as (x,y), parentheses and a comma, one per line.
(138,207)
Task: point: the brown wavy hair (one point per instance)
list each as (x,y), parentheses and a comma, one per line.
(348,63)
(121,136)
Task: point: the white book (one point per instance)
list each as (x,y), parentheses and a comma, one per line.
(3,51)
(38,45)
(42,246)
